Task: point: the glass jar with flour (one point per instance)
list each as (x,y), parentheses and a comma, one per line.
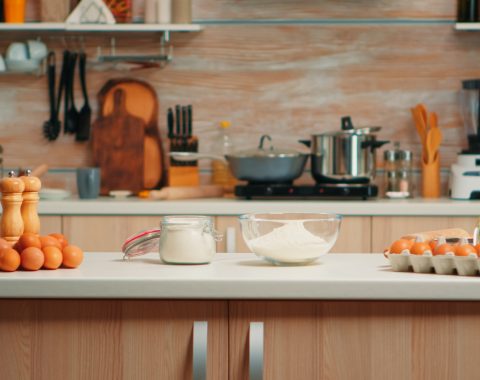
(185,239)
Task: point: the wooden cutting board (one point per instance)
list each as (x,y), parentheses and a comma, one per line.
(118,148)
(141,101)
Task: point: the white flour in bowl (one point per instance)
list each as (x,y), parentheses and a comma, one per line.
(291,243)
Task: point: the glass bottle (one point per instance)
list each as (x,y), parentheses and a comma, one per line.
(223,145)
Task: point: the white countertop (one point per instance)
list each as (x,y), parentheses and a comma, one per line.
(214,206)
(237,276)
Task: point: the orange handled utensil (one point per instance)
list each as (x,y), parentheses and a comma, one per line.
(434,139)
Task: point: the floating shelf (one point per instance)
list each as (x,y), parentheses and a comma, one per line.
(99,28)
(467,26)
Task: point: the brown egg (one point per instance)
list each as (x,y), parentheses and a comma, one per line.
(465,250)
(32,258)
(50,241)
(53,257)
(401,245)
(419,248)
(9,260)
(27,240)
(4,244)
(443,249)
(61,238)
(72,256)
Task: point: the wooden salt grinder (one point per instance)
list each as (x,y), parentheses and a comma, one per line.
(31,221)
(12,222)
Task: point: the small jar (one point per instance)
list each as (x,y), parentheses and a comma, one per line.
(398,173)
(187,239)
(179,240)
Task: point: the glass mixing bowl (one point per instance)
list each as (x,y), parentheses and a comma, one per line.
(290,238)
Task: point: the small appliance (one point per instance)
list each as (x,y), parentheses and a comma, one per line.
(465,173)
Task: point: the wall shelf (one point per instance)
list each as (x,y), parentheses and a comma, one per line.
(98,28)
(467,26)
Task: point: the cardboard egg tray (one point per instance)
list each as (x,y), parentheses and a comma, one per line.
(427,263)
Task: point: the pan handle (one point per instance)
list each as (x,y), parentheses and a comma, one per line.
(307,143)
(192,156)
(374,144)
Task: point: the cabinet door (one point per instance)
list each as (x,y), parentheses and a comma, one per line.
(50,224)
(315,340)
(387,229)
(232,241)
(104,339)
(355,235)
(105,233)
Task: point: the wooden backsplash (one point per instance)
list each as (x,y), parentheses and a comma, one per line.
(287,68)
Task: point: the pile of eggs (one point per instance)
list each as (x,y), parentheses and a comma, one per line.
(434,247)
(32,252)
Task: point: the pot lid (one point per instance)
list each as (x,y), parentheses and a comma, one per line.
(348,129)
(266,150)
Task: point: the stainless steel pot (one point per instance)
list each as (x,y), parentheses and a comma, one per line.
(346,155)
(264,164)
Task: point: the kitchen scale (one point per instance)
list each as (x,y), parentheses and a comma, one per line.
(316,191)
(465,173)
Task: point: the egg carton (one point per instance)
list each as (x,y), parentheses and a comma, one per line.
(440,264)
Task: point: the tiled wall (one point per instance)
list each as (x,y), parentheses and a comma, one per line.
(287,68)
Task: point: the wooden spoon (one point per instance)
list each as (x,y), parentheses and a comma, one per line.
(434,139)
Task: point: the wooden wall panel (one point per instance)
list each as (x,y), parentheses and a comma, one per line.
(287,79)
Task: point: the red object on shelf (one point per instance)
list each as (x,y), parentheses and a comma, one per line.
(121,10)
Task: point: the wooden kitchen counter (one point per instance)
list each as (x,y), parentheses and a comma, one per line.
(346,317)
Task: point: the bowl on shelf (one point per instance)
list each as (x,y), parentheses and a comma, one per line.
(290,238)
(23,66)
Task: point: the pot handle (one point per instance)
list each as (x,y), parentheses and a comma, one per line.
(307,143)
(347,123)
(374,144)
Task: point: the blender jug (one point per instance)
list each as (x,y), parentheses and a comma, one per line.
(470,108)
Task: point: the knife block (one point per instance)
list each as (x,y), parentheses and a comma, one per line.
(183,173)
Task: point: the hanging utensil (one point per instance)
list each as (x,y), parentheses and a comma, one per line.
(85,114)
(71,113)
(51,128)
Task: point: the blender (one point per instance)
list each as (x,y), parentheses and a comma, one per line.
(465,173)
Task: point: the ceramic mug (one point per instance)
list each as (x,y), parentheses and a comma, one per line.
(88,182)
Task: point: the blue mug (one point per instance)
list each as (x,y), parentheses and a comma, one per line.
(88,182)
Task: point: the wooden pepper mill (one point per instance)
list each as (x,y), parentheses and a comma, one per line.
(31,221)
(12,222)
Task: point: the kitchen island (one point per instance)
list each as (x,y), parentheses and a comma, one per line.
(367,226)
(344,317)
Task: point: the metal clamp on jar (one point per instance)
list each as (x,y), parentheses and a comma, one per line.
(189,239)
(398,172)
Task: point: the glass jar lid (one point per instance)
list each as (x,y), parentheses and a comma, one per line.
(141,243)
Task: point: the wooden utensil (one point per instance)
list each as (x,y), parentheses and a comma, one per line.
(434,139)
(118,148)
(184,192)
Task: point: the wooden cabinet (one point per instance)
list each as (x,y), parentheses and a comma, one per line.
(357,340)
(103,339)
(50,224)
(389,228)
(355,235)
(105,233)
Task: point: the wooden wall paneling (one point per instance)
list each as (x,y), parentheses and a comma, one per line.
(50,224)
(105,233)
(64,339)
(322,9)
(387,229)
(355,235)
(247,71)
(222,223)
(358,340)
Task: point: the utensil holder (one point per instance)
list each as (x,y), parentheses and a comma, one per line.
(431,178)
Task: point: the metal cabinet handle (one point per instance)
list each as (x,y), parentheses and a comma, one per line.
(200,348)
(256,351)
(231,241)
